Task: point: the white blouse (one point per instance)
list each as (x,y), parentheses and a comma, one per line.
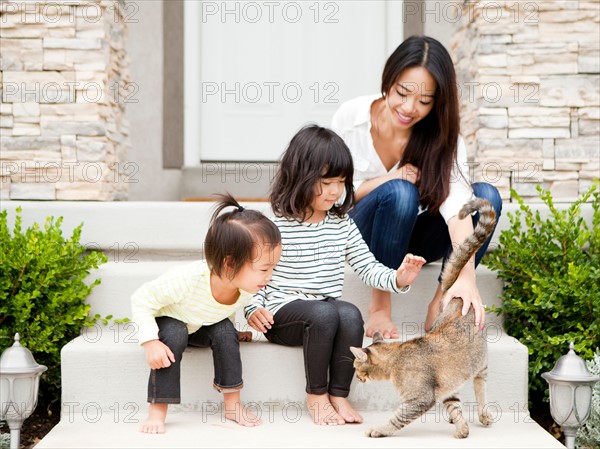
(352,121)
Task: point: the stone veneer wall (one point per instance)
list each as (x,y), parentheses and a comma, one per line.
(530,93)
(64,83)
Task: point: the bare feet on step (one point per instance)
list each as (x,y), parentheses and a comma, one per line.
(344,409)
(322,411)
(155,423)
(235,411)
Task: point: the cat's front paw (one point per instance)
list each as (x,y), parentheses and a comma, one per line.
(375,433)
(485,419)
(462,432)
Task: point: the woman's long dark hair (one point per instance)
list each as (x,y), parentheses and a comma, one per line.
(432,146)
(313,153)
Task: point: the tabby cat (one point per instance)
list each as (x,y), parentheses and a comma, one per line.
(434,367)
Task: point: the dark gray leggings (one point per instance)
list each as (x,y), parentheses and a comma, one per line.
(221,337)
(326,329)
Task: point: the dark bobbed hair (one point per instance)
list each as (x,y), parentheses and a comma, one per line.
(432,146)
(313,153)
(234,235)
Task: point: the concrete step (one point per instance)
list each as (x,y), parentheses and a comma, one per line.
(120,279)
(133,229)
(241,179)
(141,229)
(288,427)
(105,368)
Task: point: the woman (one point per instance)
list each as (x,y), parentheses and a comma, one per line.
(409,183)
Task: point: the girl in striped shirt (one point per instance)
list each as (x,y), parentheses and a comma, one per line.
(301,305)
(194,305)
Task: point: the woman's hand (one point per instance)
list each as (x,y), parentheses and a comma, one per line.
(409,173)
(465,287)
(261,320)
(158,354)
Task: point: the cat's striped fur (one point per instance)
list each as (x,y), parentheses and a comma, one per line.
(434,367)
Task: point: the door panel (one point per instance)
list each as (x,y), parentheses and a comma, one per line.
(268,68)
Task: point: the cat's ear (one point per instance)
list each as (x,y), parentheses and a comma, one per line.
(359,353)
(377,337)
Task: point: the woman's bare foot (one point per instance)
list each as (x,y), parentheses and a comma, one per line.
(155,423)
(380,315)
(433,310)
(381,321)
(322,411)
(235,411)
(345,410)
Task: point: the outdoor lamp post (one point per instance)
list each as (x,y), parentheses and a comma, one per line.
(571,387)
(19,382)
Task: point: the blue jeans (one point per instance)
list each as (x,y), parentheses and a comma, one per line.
(390,224)
(326,329)
(222,338)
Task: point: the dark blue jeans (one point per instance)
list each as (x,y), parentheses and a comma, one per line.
(326,329)
(222,338)
(390,224)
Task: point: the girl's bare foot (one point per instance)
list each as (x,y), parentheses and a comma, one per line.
(235,411)
(344,409)
(322,411)
(155,423)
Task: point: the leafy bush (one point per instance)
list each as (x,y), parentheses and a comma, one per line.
(588,436)
(551,294)
(4,441)
(42,292)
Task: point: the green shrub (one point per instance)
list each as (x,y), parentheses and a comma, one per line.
(551,274)
(588,436)
(42,293)
(4,440)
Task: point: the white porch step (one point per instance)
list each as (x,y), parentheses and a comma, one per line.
(159,226)
(106,369)
(168,227)
(290,427)
(119,280)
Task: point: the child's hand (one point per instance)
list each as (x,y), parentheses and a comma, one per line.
(409,270)
(158,354)
(245,335)
(261,320)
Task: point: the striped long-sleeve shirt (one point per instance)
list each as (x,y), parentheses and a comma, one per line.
(183,293)
(312,263)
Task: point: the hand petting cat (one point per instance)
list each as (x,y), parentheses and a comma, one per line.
(465,287)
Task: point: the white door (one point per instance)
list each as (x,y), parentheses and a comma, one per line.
(266,69)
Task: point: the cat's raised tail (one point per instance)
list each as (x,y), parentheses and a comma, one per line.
(461,255)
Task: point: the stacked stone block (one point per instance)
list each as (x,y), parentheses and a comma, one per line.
(529,77)
(63,84)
